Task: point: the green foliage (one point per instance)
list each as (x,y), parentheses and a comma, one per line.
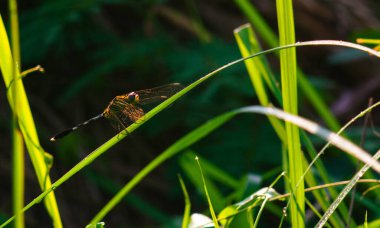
(94,50)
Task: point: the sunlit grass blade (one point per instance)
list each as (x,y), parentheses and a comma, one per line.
(214,172)
(369,41)
(18,159)
(212,212)
(18,176)
(373,224)
(97,225)
(347,189)
(289,89)
(269,37)
(247,41)
(26,123)
(192,172)
(333,138)
(186,213)
(257,70)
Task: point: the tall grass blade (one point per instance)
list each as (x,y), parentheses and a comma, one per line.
(248,42)
(289,97)
(18,177)
(214,172)
(214,219)
(271,39)
(192,172)
(186,213)
(17,140)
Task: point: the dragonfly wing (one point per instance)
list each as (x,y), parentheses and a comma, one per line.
(131,113)
(158,94)
(114,113)
(116,122)
(122,114)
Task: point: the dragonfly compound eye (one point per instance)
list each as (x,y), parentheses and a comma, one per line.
(133,97)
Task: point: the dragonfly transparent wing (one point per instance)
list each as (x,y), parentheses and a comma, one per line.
(122,114)
(157,94)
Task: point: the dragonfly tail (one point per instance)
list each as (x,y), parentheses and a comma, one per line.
(68,131)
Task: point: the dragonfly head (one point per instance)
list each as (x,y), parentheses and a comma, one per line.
(133,98)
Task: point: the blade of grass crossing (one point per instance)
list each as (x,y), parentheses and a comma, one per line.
(321,196)
(346,190)
(289,96)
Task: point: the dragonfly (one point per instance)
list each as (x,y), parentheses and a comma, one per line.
(123,110)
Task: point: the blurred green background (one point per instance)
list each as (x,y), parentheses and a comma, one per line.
(93,50)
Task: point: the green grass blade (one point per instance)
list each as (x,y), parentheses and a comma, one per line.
(373,224)
(186,213)
(333,138)
(17,142)
(347,189)
(192,172)
(18,177)
(257,70)
(214,219)
(258,22)
(271,39)
(248,44)
(214,172)
(290,96)
(26,123)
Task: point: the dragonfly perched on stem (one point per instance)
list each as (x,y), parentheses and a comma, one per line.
(126,109)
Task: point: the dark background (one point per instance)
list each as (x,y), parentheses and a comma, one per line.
(94,50)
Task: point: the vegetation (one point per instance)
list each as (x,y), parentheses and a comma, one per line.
(245,143)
